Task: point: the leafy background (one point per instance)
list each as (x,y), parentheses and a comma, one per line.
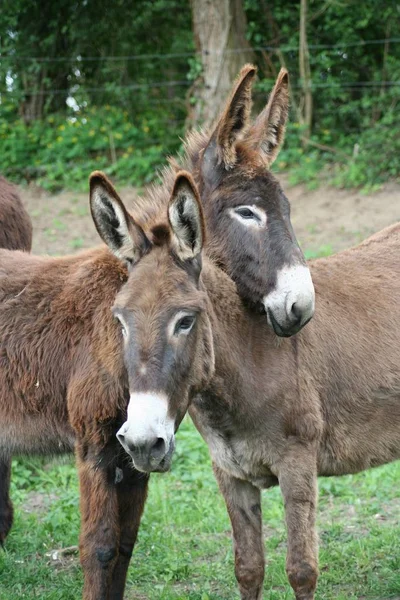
(113,86)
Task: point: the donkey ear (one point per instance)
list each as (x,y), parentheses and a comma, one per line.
(232,123)
(268,131)
(115,226)
(186,218)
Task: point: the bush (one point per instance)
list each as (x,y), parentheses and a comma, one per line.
(60,151)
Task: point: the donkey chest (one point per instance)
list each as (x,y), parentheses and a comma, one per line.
(232,448)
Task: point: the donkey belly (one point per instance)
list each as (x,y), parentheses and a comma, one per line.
(367,440)
(35,435)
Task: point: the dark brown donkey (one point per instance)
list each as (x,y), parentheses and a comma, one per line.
(247,214)
(273,413)
(66,364)
(15,234)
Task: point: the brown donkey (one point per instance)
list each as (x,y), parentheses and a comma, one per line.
(273,413)
(15,234)
(66,365)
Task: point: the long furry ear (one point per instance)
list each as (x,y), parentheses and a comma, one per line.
(115,226)
(186,218)
(231,125)
(268,132)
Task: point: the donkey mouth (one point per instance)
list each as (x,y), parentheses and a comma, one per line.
(285,331)
(146,465)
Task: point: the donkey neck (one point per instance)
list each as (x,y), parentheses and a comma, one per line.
(251,361)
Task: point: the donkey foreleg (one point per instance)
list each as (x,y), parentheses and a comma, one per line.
(131,493)
(6,507)
(99,539)
(244,508)
(298,483)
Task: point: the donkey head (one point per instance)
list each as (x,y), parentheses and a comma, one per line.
(166,336)
(247,213)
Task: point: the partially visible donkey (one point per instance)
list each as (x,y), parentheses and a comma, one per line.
(15,234)
(15,223)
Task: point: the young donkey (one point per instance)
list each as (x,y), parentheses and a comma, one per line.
(272,413)
(15,234)
(247,215)
(65,372)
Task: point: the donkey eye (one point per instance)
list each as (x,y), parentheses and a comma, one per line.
(185,324)
(246,213)
(254,215)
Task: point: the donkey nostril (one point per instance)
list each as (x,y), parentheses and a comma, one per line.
(296,311)
(159,448)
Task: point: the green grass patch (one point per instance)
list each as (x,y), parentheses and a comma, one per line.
(184,550)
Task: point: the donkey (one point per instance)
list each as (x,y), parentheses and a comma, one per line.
(250,235)
(15,223)
(248,217)
(272,413)
(15,234)
(64,370)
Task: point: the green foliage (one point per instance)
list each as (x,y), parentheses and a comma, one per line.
(60,151)
(137,57)
(355,87)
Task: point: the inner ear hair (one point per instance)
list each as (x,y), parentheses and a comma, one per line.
(235,117)
(114,224)
(186,217)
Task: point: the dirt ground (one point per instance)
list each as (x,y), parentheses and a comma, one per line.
(325,219)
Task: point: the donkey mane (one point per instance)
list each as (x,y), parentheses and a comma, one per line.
(150,213)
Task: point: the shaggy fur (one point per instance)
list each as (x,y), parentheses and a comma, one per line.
(15,234)
(15,223)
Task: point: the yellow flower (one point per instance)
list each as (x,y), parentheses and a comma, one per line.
(74,140)
(91,133)
(118,135)
(59,138)
(145,129)
(51,119)
(61,127)
(102,128)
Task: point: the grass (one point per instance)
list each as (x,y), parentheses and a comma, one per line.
(184,548)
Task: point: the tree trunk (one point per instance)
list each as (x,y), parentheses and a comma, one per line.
(219,28)
(305,72)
